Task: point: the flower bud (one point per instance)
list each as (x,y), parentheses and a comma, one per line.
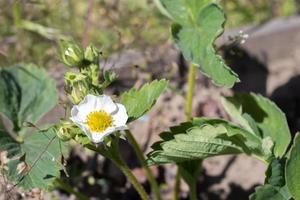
(77,86)
(92,71)
(66,130)
(71,54)
(109,77)
(91,54)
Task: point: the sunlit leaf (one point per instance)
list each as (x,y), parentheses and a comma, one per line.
(292,168)
(138,102)
(270,192)
(197,25)
(35,163)
(275,185)
(269,119)
(192,141)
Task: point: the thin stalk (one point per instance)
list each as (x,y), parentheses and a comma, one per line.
(188,114)
(141,158)
(193,191)
(66,187)
(189,96)
(116,158)
(127,172)
(113,154)
(177,186)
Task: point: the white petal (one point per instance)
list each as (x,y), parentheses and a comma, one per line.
(76,116)
(105,103)
(121,128)
(120,117)
(98,137)
(85,129)
(86,106)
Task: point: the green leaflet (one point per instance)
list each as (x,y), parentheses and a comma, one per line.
(252,142)
(292,172)
(270,121)
(8,144)
(197,25)
(275,173)
(44,145)
(138,102)
(275,185)
(27,93)
(270,192)
(199,140)
(185,12)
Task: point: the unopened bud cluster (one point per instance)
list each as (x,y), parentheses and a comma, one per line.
(79,84)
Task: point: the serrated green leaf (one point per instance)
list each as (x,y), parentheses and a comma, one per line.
(275,173)
(269,119)
(275,185)
(197,25)
(7,143)
(42,153)
(184,12)
(252,142)
(27,93)
(270,192)
(138,102)
(199,141)
(292,168)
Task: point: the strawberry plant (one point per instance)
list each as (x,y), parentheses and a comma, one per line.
(33,154)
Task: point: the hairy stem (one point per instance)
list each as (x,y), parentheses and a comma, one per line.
(127,172)
(189,96)
(113,154)
(193,191)
(188,114)
(177,186)
(141,158)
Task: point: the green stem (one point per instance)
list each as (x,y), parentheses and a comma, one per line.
(66,187)
(113,154)
(193,191)
(141,158)
(177,186)
(188,114)
(101,151)
(189,96)
(127,172)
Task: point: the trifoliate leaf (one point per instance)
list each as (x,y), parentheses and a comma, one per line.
(27,93)
(35,163)
(292,172)
(138,102)
(197,25)
(190,141)
(269,119)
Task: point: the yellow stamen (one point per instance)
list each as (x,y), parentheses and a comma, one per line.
(98,121)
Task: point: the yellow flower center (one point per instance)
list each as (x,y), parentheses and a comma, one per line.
(99,121)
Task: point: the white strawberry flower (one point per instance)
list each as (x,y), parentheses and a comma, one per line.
(99,116)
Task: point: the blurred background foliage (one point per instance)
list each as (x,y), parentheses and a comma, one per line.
(31,29)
